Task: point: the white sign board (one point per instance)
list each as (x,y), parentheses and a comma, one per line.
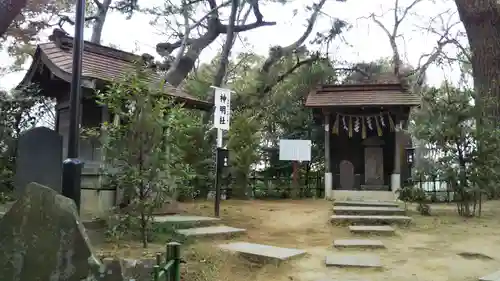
(222,108)
(295,150)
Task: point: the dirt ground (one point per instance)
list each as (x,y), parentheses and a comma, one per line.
(426,250)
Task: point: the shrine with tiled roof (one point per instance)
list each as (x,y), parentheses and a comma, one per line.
(365,140)
(51,71)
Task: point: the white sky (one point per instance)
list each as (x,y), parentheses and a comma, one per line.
(364,42)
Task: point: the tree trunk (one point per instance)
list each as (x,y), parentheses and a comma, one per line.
(188,60)
(226,51)
(102,12)
(481,19)
(9,10)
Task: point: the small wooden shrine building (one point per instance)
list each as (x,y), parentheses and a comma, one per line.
(364,141)
(51,70)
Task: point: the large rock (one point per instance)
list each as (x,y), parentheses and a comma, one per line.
(42,239)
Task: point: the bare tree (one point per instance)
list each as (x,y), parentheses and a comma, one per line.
(393,33)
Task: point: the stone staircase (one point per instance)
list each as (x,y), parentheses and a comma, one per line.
(364,218)
(368,213)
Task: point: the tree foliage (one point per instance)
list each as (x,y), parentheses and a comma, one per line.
(244,143)
(467,156)
(19,111)
(142,148)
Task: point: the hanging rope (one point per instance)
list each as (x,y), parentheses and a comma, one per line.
(391,122)
(363,122)
(379,129)
(335,129)
(350,126)
(363,128)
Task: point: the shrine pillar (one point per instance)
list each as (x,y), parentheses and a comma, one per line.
(328,172)
(396,173)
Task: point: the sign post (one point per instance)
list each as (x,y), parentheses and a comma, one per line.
(72,166)
(295,151)
(222,114)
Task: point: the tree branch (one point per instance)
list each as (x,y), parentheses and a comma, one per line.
(167,48)
(444,39)
(398,20)
(256,11)
(283,76)
(98,4)
(226,50)
(396,57)
(187,30)
(393,35)
(280,52)
(65,18)
(196,46)
(246,27)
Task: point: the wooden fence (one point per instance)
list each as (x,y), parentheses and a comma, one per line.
(310,185)
(437,190)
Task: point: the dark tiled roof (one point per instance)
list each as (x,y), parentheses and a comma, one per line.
(380,94)
(98,63)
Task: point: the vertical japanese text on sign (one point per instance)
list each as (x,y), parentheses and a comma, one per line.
(222,108)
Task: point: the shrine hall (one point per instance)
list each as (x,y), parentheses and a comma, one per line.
(365,138)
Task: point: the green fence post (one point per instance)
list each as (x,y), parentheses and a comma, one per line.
(158,259)
(168,257)
(176,256)
(156,272)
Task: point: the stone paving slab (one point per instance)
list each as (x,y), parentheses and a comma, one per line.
(367,210)
(358,243)
(342,280)
(210,230)
(263,251)
(354,260)
(183,219)
(370,219)
(375,229)
(491,277)
(366,203)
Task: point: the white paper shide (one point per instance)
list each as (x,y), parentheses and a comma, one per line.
(222,108)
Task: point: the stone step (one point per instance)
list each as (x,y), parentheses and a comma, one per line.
(354,260)
(182,221)
(372,229)
(370,219)
(263,252)
(358,210)
(358,244)
(366,204)
(495,276)
(342,279)
(220,230)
